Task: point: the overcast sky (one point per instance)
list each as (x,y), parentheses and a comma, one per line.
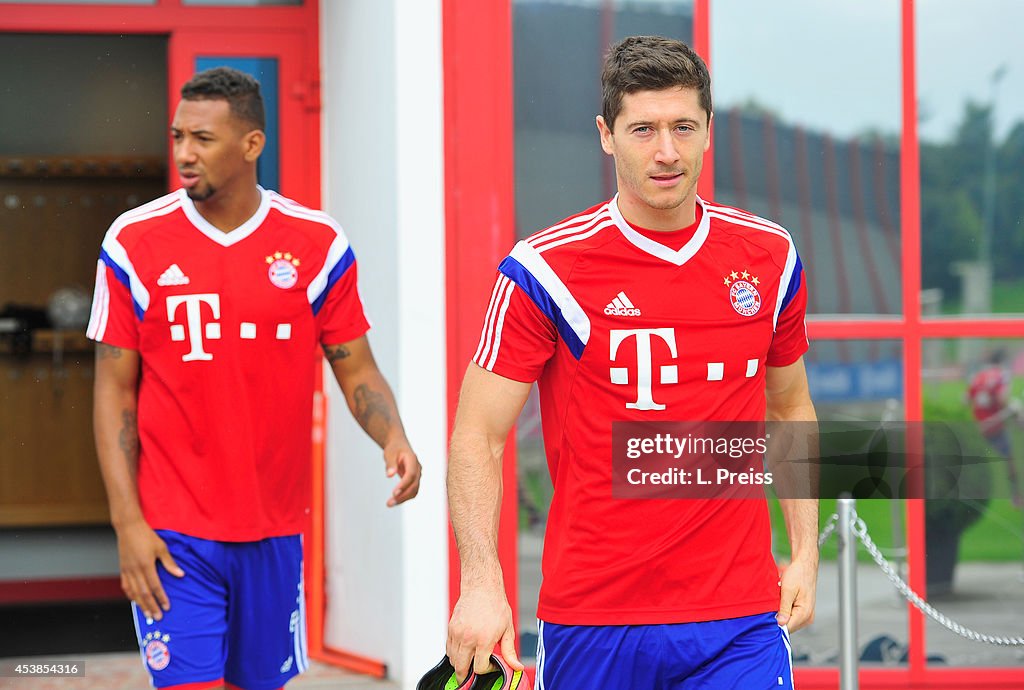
(835,64)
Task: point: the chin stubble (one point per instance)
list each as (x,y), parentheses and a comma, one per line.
(200,196)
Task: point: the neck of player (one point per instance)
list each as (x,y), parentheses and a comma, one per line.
(231,206)
(641,214)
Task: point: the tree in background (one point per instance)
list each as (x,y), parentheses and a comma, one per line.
(952,201)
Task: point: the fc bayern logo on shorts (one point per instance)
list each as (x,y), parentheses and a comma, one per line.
(745,298)
(157,655)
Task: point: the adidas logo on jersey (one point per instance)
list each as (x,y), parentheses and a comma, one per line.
(621,306)
(172,276)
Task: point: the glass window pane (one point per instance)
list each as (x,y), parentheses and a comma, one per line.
(974,543)
(856,381)
(559,47)
(83,95)
(806,133)
(972,155)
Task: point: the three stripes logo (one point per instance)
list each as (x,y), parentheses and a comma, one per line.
(621,306)
(172,276)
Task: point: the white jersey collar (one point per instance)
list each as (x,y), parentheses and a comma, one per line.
(657,249)
(226,239)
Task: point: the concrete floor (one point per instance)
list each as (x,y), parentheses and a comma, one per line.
(124,671)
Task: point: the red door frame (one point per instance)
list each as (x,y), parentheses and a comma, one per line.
(290,34)
(480,222)
(479,214)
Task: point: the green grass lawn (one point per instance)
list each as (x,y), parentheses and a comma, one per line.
(1007,298)
(999,534)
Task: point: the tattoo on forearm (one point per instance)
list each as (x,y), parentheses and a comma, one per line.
(372,412)
(336,352)
(128,438)
(104,351)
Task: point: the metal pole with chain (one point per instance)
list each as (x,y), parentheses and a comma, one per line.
(847,594)
(860,532)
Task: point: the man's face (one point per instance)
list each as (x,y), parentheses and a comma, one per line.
(212,149)
(658,142)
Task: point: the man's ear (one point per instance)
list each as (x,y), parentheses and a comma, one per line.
(253,144)
(606,136)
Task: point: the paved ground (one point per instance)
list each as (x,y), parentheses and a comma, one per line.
(125,672)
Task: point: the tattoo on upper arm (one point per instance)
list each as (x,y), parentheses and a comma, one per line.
(336,352)
(128,438)
(372,412)
(104,351)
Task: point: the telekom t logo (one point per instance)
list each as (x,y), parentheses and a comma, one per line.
(668,373)
(194,319)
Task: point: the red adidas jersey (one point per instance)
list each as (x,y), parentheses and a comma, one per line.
(988,394)
(227,326)
(615,326)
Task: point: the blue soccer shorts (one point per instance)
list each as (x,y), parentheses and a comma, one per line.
(749,653)
(238,615)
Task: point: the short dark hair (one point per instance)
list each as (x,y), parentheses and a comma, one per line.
(651,63)
(240,90)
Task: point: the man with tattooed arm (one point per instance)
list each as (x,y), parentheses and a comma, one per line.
(210,304)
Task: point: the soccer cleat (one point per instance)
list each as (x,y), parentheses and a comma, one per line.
(442,677)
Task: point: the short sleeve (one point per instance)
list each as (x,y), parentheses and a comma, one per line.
(339,311)
(790,340)
(517,338)
(114,318)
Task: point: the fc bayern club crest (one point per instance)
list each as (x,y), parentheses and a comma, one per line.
(284,270)
(158,655)
(743,294)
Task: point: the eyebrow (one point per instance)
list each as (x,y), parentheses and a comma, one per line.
(648,123)
(192,131)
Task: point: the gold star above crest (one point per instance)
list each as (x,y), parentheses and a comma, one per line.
(270,259)
(734,275)
(278,255)
(755,281)
(295,262)
(727,281)
(288,256)
(745,275)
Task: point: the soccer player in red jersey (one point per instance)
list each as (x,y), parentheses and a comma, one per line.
(654,306)
(210,305)
(989,397)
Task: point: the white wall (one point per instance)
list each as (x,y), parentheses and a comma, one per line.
(383,180)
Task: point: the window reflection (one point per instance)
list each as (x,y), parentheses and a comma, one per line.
(806,133)
(559,48)
(857,381)
(972,155)
(974,545)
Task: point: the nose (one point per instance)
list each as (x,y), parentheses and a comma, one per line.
(184,154)
(666,153)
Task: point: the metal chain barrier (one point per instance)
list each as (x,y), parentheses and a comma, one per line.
(828,529)
(860,530)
